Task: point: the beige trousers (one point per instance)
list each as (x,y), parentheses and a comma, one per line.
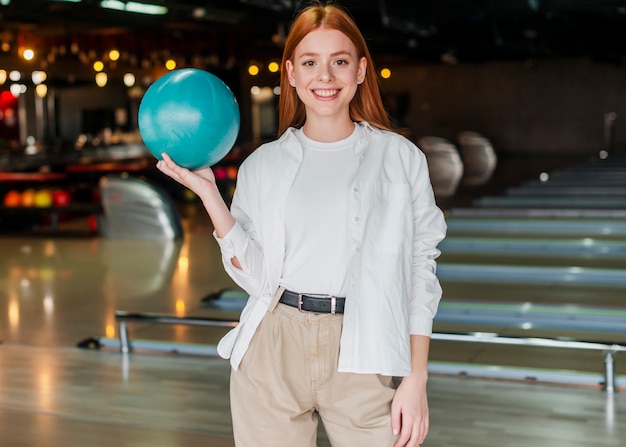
(288,380)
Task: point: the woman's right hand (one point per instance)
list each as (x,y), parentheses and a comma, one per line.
(202,183)
(198,180)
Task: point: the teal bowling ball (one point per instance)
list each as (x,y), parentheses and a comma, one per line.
(191,115)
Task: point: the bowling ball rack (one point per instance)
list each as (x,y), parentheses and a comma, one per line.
(38,216)
(51,216)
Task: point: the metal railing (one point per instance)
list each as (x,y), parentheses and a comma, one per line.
(609,350)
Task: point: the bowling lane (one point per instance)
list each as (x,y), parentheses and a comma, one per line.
(552,228)
(57,291)
(583,252)
(546,293)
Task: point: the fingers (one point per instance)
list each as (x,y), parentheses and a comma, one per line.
(169,167)
(412,431)
(396,420)
(167,162)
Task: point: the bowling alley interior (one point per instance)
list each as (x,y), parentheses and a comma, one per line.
(113,295)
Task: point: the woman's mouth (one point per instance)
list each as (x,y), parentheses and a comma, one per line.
(326,93)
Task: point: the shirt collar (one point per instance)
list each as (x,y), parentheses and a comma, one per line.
(367,127)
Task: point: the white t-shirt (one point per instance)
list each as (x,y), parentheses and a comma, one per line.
(316,220)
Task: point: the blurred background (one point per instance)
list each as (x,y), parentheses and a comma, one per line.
(519,106)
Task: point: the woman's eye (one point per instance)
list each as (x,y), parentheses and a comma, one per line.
(308,63)
(342,62)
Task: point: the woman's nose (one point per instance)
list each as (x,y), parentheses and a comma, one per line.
(325,75)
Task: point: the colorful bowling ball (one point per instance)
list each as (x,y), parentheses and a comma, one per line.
(28,197)
(61,197)
(92,222)
(191,115)
(12,198)
(43,198)
(231,172)
(221,173)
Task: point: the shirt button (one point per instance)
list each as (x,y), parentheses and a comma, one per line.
(356,218)
(355,189)
(356,250)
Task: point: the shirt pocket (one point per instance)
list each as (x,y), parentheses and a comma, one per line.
(393,213)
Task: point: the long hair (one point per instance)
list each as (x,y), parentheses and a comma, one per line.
(366,105)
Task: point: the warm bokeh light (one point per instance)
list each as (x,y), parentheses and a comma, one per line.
(101,79)
(38,77)
(170,64)
(273,67)
(15,75)
(3,76)
(41,90)
(98,66)
(385,73)
(28,54)
(114,55)
(253,70)
(129,79)
(17,89)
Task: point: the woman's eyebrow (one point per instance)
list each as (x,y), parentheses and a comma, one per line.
(335,54)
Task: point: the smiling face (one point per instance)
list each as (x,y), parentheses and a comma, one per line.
(326,71)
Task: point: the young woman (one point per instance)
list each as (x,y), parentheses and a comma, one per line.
(333,232)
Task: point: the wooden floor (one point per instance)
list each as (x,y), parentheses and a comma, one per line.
(57,290)
(66,397)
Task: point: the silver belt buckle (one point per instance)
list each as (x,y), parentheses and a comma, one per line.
(333,300)
(300,295)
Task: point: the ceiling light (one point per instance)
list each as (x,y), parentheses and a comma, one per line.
(101,79)
(41,90)
(38,77)
(141,8)
(15,75)
(28,54)
(129,79)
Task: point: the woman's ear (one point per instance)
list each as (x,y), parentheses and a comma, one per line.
(360,75)
(290,76)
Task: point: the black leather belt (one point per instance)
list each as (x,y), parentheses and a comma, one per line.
(310,302)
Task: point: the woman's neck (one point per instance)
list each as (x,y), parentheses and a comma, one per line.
(327,131)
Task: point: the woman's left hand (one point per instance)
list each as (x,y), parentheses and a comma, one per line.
(409,413)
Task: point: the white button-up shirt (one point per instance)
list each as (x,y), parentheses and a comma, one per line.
(392,288)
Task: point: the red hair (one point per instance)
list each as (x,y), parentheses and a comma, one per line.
(366,105)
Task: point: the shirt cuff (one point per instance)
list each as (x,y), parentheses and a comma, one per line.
(233,242)
(421,325)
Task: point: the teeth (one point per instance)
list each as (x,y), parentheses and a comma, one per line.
(325,93)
